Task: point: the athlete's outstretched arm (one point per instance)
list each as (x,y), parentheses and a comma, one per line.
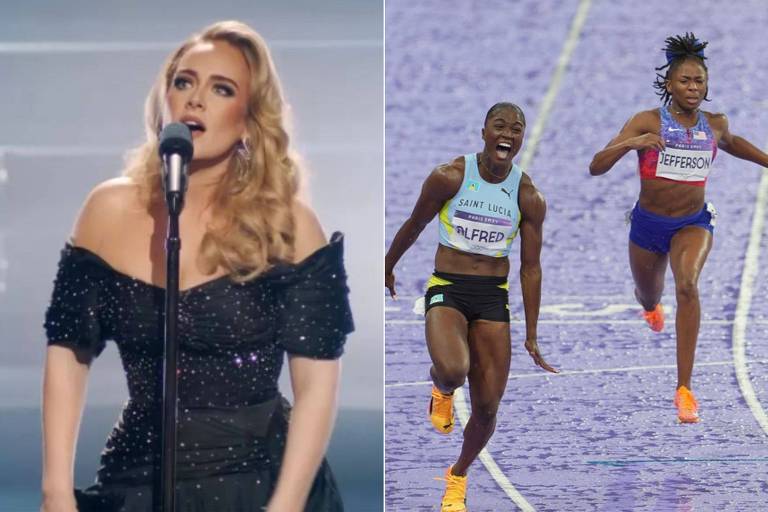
(442,184)
(636,134)
(735,145)
(533,209)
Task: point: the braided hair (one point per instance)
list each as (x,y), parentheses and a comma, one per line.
(678,49)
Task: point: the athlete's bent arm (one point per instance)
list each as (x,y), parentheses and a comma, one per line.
(441,185)
(533,209)
(735,145)
(636,134)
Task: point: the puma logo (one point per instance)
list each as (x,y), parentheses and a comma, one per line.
(509,194)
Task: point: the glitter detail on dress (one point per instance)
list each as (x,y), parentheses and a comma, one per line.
(232,338)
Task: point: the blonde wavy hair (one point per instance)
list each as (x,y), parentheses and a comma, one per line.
(254,227)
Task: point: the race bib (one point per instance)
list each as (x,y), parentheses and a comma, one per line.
(684,164)
(480,233)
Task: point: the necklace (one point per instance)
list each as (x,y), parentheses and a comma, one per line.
(681,112)
(488,168)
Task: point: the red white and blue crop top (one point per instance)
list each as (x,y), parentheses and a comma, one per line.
(688,155)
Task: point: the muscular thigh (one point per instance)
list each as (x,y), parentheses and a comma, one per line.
(446,333)
(648,267)
(489,355)
(688,252)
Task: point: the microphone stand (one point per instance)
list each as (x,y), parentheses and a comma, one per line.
(175,201)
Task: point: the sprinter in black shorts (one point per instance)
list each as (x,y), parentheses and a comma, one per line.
(483,201)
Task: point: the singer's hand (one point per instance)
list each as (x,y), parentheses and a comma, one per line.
(278,504)
(59,503)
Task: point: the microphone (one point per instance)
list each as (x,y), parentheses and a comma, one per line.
(175,151)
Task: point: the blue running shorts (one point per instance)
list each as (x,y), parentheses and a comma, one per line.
(654,232)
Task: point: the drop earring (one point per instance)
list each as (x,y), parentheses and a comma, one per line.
(244,149)
(243,157)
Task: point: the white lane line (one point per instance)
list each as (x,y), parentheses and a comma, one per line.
(590,321)
(462,411)
(586,372)
(745,300)
(554,85)
(59,47)
(549,99)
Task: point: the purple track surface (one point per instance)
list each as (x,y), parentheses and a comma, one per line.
(590,439)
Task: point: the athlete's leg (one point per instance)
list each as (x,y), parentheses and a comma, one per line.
(688,252)
(446,332)
(648,270)
(489,349)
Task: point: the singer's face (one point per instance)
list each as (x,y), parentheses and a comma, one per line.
(209,93)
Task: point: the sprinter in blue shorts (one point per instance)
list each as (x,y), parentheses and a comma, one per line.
(671,222)
(483,201)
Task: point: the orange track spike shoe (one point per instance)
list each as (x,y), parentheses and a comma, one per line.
(455,497)
(441,411)
(655,318)
(687,406)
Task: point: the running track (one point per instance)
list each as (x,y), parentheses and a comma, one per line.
(603,435)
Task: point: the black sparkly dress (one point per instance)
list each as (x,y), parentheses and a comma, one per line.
(232,420)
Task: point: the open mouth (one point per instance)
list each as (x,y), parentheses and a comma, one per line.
(503,149)
(194,127)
